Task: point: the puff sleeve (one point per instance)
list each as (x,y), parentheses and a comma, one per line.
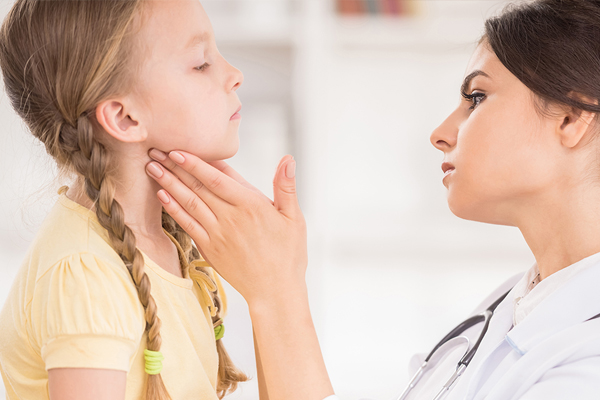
(85,313)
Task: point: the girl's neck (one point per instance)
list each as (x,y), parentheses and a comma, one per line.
(144,218)
(142,210)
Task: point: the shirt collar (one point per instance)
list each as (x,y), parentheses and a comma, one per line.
(530,291)
(567,297)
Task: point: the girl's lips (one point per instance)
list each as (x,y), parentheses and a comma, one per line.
(448,169)
(236,115)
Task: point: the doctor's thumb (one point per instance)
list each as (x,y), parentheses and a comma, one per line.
(285,199)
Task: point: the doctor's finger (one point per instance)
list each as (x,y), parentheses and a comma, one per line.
(169,164)
(213,180)
(232,173)
(162,158)
(193,183)
(189,180)
(185,196)
(184,219)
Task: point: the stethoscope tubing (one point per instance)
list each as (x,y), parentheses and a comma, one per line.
(462,365)
(485,317)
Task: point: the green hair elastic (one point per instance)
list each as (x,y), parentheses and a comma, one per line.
(153,361)
(219,332)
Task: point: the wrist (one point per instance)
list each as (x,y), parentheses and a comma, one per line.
(287,303)
(289,348)
(277,292)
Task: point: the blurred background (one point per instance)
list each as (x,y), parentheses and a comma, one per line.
(352,89)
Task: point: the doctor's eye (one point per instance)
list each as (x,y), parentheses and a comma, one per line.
(475,98)
(202,67)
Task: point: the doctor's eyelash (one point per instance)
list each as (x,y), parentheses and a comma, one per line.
(473,96)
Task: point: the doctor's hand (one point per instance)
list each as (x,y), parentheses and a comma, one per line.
(257,245)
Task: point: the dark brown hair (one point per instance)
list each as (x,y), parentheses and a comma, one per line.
(553,47)
(59,60)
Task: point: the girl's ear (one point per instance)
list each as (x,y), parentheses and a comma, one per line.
(119,122)
(574,124)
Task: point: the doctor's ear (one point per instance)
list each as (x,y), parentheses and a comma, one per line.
(121,121)
(574,123)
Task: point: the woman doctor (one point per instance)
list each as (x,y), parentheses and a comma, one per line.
(520,149)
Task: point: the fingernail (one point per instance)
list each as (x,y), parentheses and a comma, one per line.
(177,157)
(163,196)
(158,155)
(290,170)
(154,170)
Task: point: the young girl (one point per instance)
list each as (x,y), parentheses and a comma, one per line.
(113,300)
(520,149)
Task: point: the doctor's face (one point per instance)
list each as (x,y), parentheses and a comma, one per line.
(502,149)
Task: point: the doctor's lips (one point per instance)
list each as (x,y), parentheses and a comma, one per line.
(236,115)
(447,168)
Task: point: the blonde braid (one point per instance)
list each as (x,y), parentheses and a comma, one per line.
(228,374)
(91,160)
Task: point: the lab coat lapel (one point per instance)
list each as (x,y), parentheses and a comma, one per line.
(541,332)
(574,302)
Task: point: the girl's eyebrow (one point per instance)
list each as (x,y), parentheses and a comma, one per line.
(469,78)
(197,39)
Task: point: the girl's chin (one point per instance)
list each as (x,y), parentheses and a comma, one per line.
(220,154)
(230,152)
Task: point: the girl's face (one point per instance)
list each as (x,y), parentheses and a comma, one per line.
(504,153)
(186,87)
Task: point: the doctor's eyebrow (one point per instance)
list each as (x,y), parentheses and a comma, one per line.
(469,78)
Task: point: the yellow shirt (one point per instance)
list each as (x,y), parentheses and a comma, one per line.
(73,304)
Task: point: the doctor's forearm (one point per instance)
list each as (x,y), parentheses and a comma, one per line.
(262,384)
(289,350)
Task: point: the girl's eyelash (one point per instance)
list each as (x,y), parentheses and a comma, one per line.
(202,67)
(473,97)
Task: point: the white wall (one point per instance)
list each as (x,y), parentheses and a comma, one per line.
(391,269)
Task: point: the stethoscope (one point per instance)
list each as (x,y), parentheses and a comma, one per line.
(485,316)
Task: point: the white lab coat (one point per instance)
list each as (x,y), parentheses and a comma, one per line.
(552,354)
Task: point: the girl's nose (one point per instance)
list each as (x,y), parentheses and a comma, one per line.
(235,78)
(444,136)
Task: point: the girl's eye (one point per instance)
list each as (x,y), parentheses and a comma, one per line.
(475,98)
(202,67)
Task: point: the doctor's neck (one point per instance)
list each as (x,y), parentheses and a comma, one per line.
(563,228)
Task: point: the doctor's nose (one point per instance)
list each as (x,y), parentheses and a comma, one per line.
(444,136)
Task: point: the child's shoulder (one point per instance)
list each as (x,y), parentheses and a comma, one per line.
(70,230)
